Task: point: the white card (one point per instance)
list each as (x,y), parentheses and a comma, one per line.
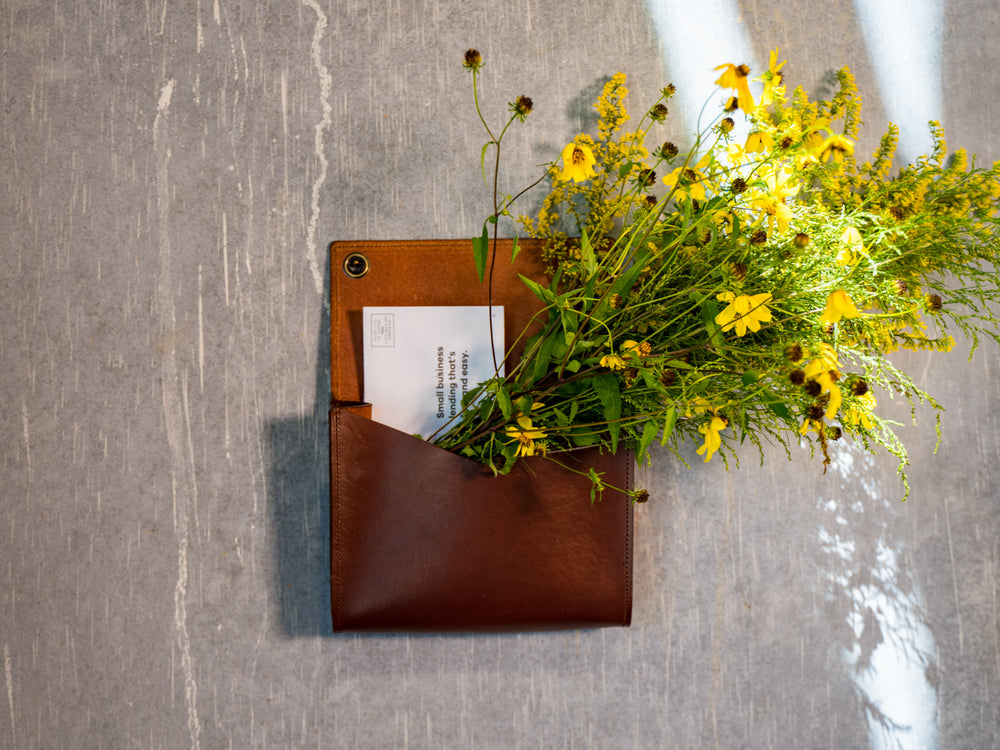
(420,361)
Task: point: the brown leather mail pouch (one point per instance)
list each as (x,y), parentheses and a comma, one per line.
(424,540)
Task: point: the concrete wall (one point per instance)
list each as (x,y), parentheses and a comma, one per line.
(172,173)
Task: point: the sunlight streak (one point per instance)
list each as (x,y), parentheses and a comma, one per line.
(904,43)
(697,36)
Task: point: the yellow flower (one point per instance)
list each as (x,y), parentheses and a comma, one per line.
(852,247)
(736,154)
(735,77)
(612,362)
(772,202)
(825,372)
(688,180)
(634,349)
(773,80)
(778,185)
(699,406)
(835,147)
(743,312)
(578,163)
(759,141)
(777,213)
(712,438)
(857,413)
(525,434)
(724,219)
(838,305)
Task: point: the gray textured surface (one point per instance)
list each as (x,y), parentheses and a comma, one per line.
(171,175)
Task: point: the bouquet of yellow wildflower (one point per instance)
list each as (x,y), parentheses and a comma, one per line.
(751,294)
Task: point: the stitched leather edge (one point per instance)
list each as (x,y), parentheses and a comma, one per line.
(629,523)
(335,517)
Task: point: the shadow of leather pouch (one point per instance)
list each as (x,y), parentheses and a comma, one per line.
(425,540)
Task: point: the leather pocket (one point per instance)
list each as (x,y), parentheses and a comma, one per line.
(426,540)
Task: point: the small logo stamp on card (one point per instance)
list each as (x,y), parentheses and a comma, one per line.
(383,329)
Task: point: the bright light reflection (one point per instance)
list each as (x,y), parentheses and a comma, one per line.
(697,36)
(904,43)
(893,648)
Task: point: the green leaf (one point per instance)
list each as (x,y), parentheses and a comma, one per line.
(587,254)
(545,295)
(608,391)
(625,168)
(649,431)
(485,409)
(778,406)
(471,395)
(524,404)
(570,322)
(749,378)
(480,247)
(482,159)
(708,312)
(596,485)
(503,401)
(543,358)
(669,420)
(514,251)
(624,283)
(573,365)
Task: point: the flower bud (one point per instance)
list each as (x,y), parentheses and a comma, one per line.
(522,107)
(473,60)
(815,413)
(727,125)
(801,240)
(659,112)
(738,185)
(668,150)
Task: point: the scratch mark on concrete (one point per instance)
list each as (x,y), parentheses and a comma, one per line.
(27,437)
(10,691)
(954,576)
(201,333)
(173,411)
(325,86)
